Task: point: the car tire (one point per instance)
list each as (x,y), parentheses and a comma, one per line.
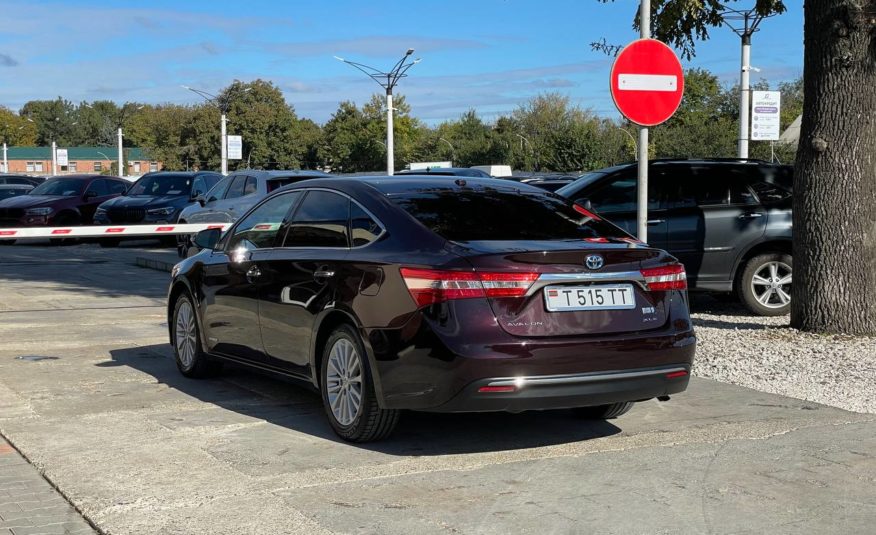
(765,284)
(108,243)
(186,341)
(167,241)
(65,220)
(343,361)
(604,412)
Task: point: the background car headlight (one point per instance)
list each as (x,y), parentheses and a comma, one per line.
(161,211)
(38,211)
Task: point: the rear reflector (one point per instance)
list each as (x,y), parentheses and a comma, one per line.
(676,375)
(494,389)
(587,213)
(664,278)
(430,286)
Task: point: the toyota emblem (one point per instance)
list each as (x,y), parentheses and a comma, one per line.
(594,261)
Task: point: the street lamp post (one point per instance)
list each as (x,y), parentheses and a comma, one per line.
(122,112)
(635,146)
(388,81)
(223,128)
(452,149)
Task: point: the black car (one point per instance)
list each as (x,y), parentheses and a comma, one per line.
(155,198)
(390,293)
(13,190)
(728,221)
(444,171)
(549,182)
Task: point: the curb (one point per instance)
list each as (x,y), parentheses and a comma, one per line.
(159,265)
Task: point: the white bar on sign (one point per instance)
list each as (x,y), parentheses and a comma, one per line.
(647,82)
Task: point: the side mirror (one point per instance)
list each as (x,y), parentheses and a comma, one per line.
(200,199)
(207,239)
(584,203)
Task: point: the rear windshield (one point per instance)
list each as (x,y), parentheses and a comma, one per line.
(498,215)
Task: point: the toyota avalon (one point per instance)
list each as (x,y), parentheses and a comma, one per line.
(435,295)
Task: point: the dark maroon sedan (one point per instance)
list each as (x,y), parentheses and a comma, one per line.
(60,201)
(435,295)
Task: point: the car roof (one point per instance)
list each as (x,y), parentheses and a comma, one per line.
(81,176)
(261,173)
(445,171)
(395,185)
(17,186)
(182,173)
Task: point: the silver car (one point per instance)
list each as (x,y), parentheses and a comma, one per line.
(234,195)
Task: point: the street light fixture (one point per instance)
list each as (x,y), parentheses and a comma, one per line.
(387,80)
(452,149)
(222,104)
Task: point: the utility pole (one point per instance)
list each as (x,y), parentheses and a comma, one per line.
(5,159)
(744,23)
(54,158)
(224,135)
(122,170)
(642,201)
(388,81)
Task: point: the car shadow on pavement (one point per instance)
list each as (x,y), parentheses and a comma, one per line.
(289,404)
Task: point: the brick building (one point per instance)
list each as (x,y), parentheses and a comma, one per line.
(38,160)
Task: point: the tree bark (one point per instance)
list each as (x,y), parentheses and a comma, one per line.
(834,289)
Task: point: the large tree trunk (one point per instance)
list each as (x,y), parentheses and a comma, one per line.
(834,288)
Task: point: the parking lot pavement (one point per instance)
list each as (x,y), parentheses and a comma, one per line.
(139,449)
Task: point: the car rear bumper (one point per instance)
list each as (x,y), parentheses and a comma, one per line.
(514,394)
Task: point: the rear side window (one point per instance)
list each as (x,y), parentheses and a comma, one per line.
(502,215)
(363,229)
(250,186)
(218,191)
(320,221)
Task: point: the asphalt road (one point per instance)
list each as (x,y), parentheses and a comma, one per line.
(139,449)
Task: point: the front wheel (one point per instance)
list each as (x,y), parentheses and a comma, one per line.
(347,390)
(765,284)
(188,353)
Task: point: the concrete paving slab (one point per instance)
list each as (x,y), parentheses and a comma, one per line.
(140,449)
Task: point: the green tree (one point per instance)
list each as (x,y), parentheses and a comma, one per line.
(344,147)
(54,120)
(15,129)
(406,131)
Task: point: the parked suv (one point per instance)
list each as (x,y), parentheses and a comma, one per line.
(155,198)
(234,195)
(727,221)
(60,201)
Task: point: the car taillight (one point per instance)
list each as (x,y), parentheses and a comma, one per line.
(430,286)
(665,278)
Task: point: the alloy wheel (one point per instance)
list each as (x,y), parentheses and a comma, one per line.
(186,333)
(344,382)
(771,284)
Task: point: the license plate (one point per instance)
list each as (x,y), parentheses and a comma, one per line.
(597,297)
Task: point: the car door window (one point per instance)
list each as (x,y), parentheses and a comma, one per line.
(320,221)
(97,188)
(701,186)
(259,229)
(236,189)
(363,228)
(617,195)
(218,191)
(115,187)
(250,186)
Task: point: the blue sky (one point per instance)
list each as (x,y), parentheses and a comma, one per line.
(489,55)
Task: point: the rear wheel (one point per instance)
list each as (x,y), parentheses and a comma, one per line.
(604,412)
(765,284)
(347,390)
(188,353)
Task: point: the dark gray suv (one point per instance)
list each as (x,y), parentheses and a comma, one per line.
(727,221)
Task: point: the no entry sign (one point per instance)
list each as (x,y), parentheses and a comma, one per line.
(647,82)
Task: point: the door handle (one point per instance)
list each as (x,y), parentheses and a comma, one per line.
(652,222)
(253,273)
(751,215)
(323,274)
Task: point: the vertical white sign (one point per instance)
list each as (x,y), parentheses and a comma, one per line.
(235,147)
(61,156)
(766,109)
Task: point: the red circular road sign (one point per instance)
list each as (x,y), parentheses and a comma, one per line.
(647,82)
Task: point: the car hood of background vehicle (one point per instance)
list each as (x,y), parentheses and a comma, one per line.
(144,201)
(31,201)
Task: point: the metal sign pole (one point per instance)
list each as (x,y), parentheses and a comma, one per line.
(642,205)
